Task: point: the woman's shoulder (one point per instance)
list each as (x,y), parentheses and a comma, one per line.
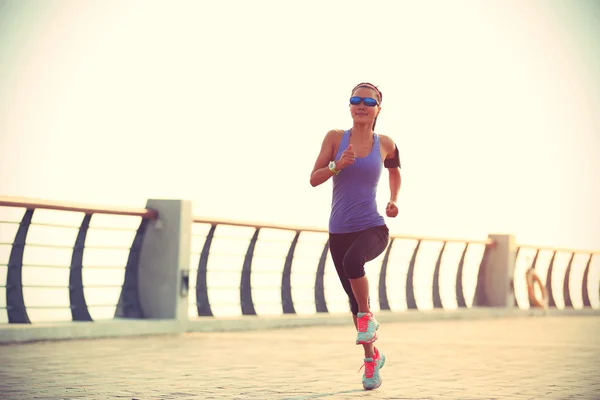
(335,133)
(334,136)
(387,142)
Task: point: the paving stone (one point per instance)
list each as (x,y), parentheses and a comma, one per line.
(500,358)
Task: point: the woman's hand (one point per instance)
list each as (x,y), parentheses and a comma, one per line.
(346,159)
(392,209)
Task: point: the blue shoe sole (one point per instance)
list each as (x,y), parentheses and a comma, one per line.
(373,388)
(368,341)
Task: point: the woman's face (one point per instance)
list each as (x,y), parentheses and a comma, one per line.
(361,113)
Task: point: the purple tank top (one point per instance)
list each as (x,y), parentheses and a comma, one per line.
(354,205)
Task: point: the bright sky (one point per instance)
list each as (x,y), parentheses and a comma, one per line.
(494,106)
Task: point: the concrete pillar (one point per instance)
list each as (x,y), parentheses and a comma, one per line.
(498,272)
(165,261)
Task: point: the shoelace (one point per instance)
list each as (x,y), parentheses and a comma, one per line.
(369,368)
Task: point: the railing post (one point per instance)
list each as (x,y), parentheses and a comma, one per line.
(411,300)
(202,300)
(287,302)
(460,294)
(497,273)
(15,302)
(163,275)
(79,308)
(246,279)
(384,304)
(320,302)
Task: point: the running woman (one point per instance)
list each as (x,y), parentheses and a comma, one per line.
(358,233)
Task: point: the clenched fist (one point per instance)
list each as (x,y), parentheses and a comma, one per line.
(391,210)
(346,159)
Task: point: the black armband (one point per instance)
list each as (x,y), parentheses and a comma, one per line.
(393,162)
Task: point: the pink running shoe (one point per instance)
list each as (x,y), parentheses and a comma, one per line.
(367,328)
(371,378)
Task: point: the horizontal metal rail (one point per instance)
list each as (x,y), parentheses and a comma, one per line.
(250,224)
(73,227)
(559,249)
(67,266)
(299,228)
(71,307)
(72,286)
(21,202)
(68,247)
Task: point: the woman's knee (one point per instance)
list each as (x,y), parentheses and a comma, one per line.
(354,267)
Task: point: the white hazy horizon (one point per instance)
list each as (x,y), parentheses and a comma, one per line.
(495,107)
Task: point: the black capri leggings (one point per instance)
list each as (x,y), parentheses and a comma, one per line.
(350,252)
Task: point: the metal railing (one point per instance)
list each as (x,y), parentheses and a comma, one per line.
(128,301)
(291,236)
(248,267)
(557,268)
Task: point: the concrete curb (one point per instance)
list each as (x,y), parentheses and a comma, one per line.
(245,323)
(20,333)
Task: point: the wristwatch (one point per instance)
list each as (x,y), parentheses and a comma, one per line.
(332,168)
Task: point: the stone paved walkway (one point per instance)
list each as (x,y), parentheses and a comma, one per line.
(515,358)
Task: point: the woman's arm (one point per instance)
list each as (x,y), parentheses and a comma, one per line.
(395,182)
(321,172)
(392,163)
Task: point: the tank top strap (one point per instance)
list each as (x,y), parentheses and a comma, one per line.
(376,151)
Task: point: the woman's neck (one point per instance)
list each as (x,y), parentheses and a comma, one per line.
(362,131)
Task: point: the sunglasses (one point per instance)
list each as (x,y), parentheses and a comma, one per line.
(368,101)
